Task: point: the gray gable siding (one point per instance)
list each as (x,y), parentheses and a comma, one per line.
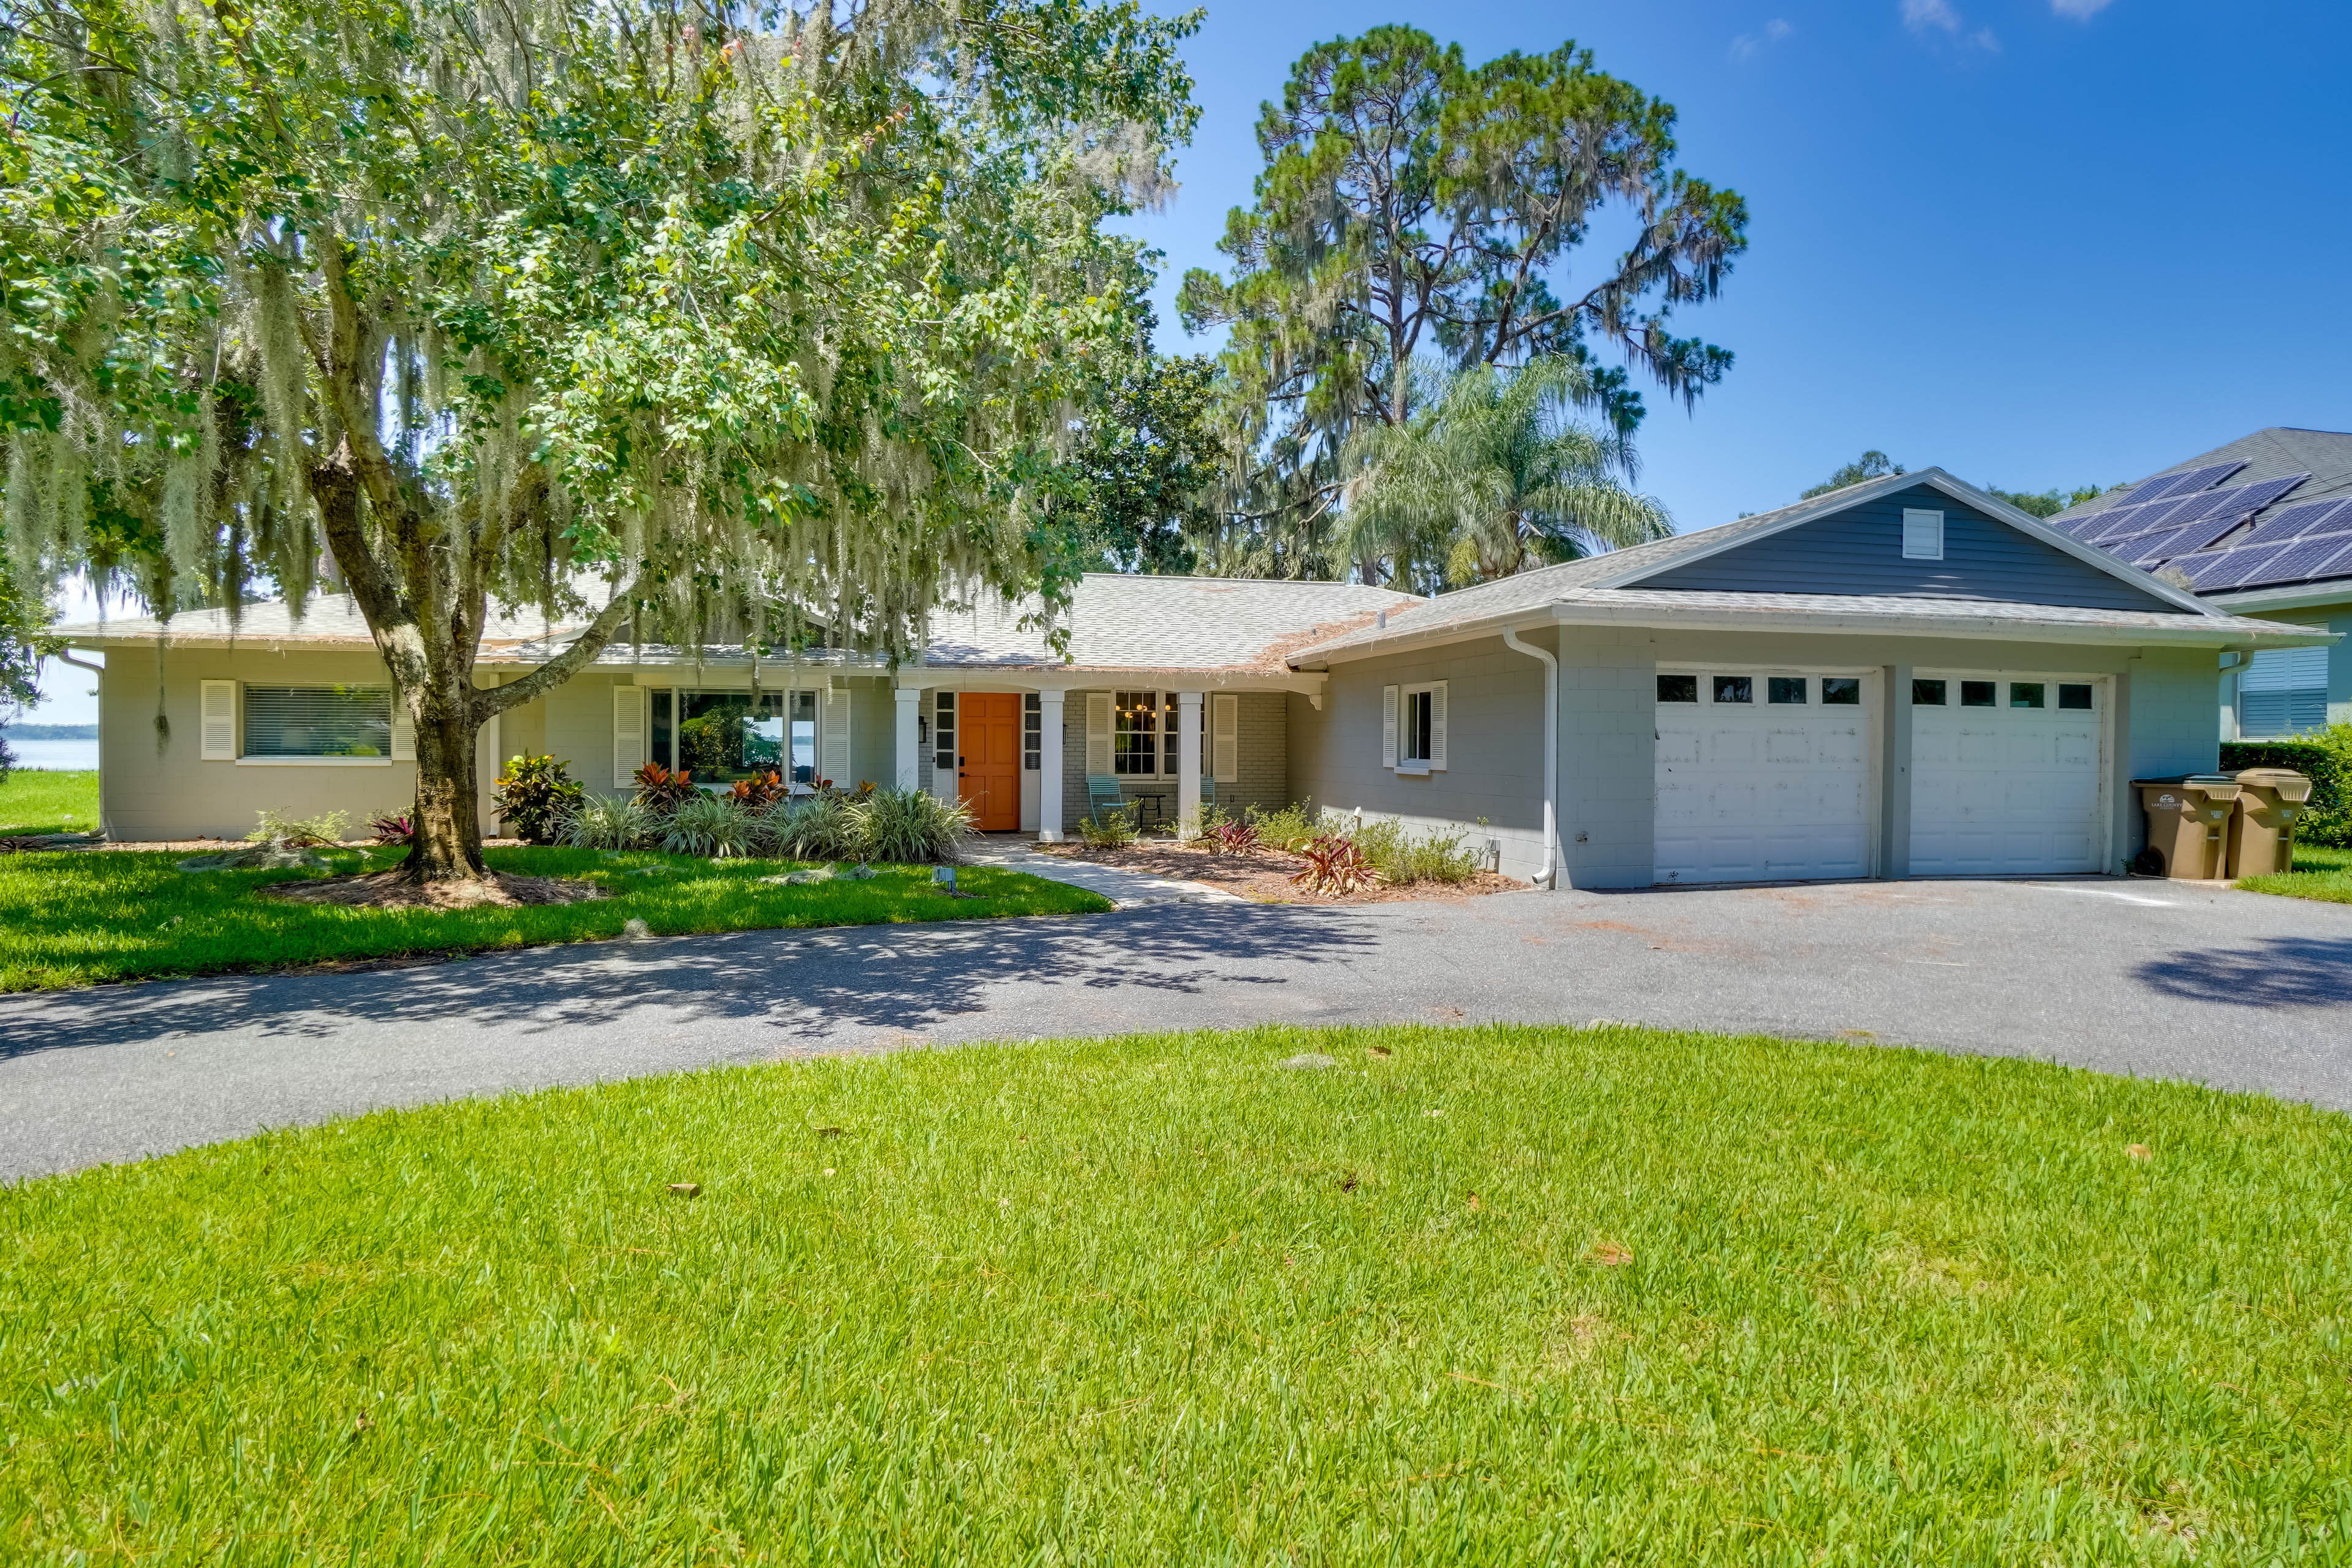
(1860,551)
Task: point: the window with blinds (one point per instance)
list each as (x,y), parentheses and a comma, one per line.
(317,721)
(2284,691)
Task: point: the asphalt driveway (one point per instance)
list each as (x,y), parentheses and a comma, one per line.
(2232,989)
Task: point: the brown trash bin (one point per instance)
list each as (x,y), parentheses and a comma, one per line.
(2262,835)
(2188,823)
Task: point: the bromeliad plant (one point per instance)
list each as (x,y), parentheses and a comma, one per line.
(1236,839)
(392,828)
(1335,864)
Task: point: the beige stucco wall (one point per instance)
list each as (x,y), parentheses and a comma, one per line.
(153,783)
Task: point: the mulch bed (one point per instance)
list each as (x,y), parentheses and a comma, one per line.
(1263,876)
(389,891)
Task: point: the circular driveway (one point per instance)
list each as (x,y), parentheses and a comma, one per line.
(2236,990)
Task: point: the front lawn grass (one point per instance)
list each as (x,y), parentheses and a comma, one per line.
(2320,872)
(82,917)
(38,801)
(1496,1295)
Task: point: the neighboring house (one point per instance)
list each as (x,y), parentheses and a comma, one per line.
(1904,678)
(2262,526)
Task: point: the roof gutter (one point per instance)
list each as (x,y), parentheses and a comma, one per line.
(1550,875)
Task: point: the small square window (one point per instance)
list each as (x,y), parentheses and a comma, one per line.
(1735,688)
(1980,694)
(1926,694)
(1678,688)
(2071,696)
(1786,689)
(2025,694)
(1844,691)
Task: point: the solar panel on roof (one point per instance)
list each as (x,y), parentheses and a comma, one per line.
(2189,482)
(2150,549)
(2300,559)
(2236,565)
(2201,567)
(2209,529)
(2307,517)
(2125,522)
(2261,492)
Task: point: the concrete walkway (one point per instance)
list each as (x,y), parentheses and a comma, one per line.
(2221,987)
(1128,890)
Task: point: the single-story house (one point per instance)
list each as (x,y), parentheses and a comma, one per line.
(1904,678)
(2261,527)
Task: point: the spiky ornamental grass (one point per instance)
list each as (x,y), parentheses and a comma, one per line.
(1481,1296)
(750,324)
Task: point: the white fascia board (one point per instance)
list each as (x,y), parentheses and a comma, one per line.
(2303,595)
(2200,633)
(1957,489)
(1080,677)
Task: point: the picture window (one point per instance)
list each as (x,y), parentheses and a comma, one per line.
(317,721)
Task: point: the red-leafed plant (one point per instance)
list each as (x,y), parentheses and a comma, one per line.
(1236,839)
(759,791)
(392,827)
(660,790)
(1334,864)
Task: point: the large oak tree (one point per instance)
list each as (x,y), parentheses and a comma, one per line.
(698,320)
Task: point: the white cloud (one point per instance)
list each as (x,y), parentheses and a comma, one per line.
(1921,14)
(1982,38)
(2080,10)
(1749,45)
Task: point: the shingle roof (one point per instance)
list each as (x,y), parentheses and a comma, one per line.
(1116,622)
(2277,453)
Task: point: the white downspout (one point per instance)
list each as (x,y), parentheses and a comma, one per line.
(1550,878)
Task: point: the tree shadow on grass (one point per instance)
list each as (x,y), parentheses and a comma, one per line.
(2273,972)
(812,986)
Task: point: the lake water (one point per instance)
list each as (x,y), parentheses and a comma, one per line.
(55,756)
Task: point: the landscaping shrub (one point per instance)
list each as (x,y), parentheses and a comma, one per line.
(810,827)
(1291,829)
(536,796)
(1334,864)
(714,827)
(392,827)
(909,826)
(1402,857)
(2325,758)
(660,791)
(1234,838)
(612,822)
(300,832)
(760,792)
(1112,829)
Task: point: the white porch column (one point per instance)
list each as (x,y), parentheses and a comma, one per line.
(1188,764)
(907,751)
(1049,767)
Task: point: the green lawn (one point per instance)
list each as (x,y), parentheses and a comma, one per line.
(78,918)
(2319,873)
(48,803)
(1474,1296)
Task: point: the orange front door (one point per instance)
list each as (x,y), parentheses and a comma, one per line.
(988,758)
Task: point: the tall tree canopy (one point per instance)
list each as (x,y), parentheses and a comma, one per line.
(1412,205)
(1490,475)
(1872,465)
(722,322)
(1149,458)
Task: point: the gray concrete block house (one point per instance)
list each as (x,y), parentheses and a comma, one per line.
(1906,677)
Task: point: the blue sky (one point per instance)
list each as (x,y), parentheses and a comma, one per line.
(2038,242)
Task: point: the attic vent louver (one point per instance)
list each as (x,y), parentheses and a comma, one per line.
(1382,623)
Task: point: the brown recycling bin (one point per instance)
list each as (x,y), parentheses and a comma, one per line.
(2188,823)
(2262,838)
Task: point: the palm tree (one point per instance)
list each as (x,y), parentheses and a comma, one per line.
(1493,476)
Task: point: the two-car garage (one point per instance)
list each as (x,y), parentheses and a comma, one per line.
(1775,774)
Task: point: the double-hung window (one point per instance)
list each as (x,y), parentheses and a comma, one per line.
(1144,738)
(1413,728)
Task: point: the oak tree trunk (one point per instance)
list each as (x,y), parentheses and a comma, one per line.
(447,845)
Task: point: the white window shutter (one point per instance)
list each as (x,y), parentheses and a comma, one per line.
(832,738)
(1923,535)
(1388,726)
(403,730)
(1437,728)
(1226,737)
(218,721)
(628,734)
(1098,732)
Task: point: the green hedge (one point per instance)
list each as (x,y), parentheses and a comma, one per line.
(2326,758)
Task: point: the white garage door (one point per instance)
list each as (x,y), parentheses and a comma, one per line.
(1762,776)
(2005,774)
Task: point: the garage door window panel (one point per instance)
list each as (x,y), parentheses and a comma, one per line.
(1678,688)
(1841,692)
(1784,691)
(1731,689)
(2026,693)
(1979,694)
